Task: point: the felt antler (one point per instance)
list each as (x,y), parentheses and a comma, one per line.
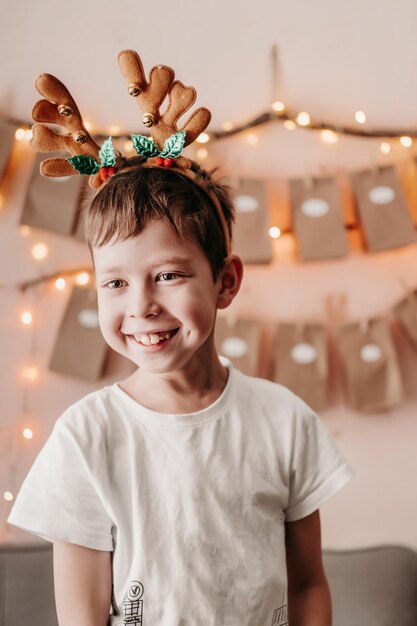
(60,108)
(150,96)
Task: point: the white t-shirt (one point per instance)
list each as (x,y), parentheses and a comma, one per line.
(193,506)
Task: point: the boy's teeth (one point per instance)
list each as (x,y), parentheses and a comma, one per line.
(152,338)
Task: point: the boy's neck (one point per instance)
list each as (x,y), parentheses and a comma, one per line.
(186,390)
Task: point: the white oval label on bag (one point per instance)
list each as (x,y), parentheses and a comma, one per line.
(234,347)
(88,318)
(370,353)
(304,353)
(315,207)
(381,195)
(246,204)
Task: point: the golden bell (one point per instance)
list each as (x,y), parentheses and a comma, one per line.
(148,119)
(64,109)
(134,89)
(80,137)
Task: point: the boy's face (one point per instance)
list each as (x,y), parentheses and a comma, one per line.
(157,299)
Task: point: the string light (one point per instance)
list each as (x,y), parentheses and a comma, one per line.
(114,130)
(303,119)
(360,117)
(20,134)
(385,147)
(26,318)
(278,106)
(8,496)
(60,283)
(202,154)
(88,125)
(83,278)
(407,142)
(28,134)
(252,139)
(203,138)
(329,136)
(27,433)
(40,251)
(274,232)
(24,230)
(31,373)
(128,146)
(290,125)
(227,126)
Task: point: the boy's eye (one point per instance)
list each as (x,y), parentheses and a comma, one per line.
(114,284)
(167,276)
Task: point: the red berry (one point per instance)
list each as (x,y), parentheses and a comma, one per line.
(169,162)
(159,161)
(104,173)
(111,171)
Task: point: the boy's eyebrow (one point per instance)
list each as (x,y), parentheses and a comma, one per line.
(175,260)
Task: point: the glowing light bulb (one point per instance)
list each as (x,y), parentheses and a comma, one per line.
(252,139)
(27,433)
(83,278)
(227,126)
(303,119)
(202,154)
(8,496)
(20,134)
(329,136)
(385,147)
(60,283)
(274,232)
(278,106)
(40,251)
(290,124)
(203,138)
(128,146)
(360,117)
(406,142)
(26,317)
(28,134)
(88,125)
(114,130)
(24,230)
(31,373)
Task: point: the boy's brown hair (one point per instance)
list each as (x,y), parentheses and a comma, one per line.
(130,198)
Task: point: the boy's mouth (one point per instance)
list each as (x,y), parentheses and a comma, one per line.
(152,339)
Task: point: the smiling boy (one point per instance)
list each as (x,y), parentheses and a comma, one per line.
(189,493)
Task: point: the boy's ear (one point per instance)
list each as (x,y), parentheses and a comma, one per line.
(230,281)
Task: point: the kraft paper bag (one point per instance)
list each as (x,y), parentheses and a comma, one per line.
(317,216)
(406,313)
(251,239)
(301,362)
(80,349)
(238,340)
(386,220)
(52,203)
(7,132)
(370,367)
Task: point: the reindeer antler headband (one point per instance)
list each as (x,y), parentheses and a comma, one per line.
(162,150)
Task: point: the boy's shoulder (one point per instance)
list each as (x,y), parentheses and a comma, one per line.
(91,411)
(266,390)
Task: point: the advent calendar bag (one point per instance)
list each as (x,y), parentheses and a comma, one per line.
(370,367)
(238,340)
(318,219)
(52,203)
(301,362)
(383,209)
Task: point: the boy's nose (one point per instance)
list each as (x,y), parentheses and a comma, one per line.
(143,305)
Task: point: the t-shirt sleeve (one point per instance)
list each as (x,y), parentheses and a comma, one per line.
(318,469)
(59,498)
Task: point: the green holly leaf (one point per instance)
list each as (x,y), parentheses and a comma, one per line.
(107,154)
(84,164)
(144,146)
(174,145)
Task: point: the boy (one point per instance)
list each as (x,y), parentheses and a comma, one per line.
(187,494)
